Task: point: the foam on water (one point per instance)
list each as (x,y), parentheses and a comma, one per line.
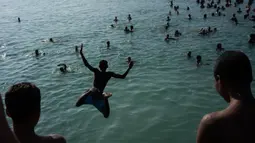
(161,100)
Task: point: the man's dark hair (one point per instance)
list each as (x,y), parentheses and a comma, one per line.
(22,100)
(234,67)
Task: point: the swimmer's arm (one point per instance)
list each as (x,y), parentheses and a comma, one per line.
(123,76)
(85,61)
(206,131)
(6,135)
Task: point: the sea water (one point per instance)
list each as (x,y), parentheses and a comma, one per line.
(163,97)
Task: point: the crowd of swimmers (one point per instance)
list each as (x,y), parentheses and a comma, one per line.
(232,77)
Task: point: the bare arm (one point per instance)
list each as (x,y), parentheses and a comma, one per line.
(85,61)
(6,135)
(125,74)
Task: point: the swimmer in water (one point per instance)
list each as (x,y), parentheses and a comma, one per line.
(101,78)
(112,26)
(239,10)
(63,69)
(215,29)
(167,25)
(219,47)
(171,3)
(205,16)
(116,19)
(76,49)
(213,14)
(107,43)
(129,17)
(188,8)
(189,55)
(19,20)
(189,17)
(199,60)
(209,29)
(131,28)
(167,37)
(37,53)
(168,18)
(51,40)
(170,13)
(126,29)
(177,33)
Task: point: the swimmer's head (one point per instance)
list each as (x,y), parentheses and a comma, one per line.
(199,59)
(103,65)
(167,35)
(108,43)
(37,52)
(232,73)
(76,48)
(129,59)
(51,40)
(189,54)
(219,45)
(23,104)
(63,70)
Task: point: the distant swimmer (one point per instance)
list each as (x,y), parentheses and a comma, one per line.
(205,16)
(170,13)
(219,13)
(198,1)
(209,29)
(51,40)
(188,8)
(167,25)
(171,3)
(239,10)
(168,18)
(189,17)
(219,47)
(199,60)
(189,55)
(126,29)
(63,69)
(215,29)
(235,4)
(129,17)
(223,8)
(19,20)
(108,44)
(116,19)
(37,53)
(213,14)
(131,28)
(169,38)
(234,19)
(177,33)
(76,49)
(96,95)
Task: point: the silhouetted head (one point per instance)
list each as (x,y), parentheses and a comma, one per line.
(103,65)
(232,73)
(129,59)
(51,40)
(167,36)
(18,19)
(23,104)
(219,46)
(189,54)
(215,29)
(213,14)
(76,48)
(108,43)
(205,15)
(234,15)
(37,52)
(199,59)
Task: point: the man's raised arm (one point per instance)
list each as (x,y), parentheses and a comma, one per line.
(125,74)
(85,61)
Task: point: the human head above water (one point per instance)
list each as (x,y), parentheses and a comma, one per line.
(23,103)
(232,72)
(103,65)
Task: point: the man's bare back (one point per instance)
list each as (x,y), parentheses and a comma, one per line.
(235,124)
(232,125)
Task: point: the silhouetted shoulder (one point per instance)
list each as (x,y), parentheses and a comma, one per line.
(208,128)
(55,138)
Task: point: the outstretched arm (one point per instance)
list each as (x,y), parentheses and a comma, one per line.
(85,61)
(123,76)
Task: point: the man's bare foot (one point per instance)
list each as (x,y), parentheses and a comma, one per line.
(107,94)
